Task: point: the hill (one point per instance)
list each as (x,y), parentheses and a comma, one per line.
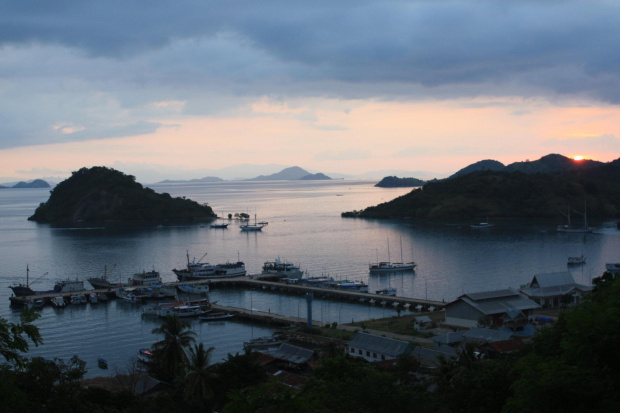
(315,177)
(508,195)
(181,181)
(105,194)
(486,165)
(294,173)
(394,182)
(37,183)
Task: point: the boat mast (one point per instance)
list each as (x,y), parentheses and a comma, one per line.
(389,259)
(401,249)
(27,275)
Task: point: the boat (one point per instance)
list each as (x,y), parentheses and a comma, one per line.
(568,227)
(58,302)
(145,355)
(102,363)
(347,285)
(101,282)
(204,270)
(132,295)
(388,266)
(186,311)
(21,290)
(391,291)
(215,316)
(92,298)
(282,268)
(78,299)
(35,303)
(258,226)
(201,289)
(263,342)
(218,226)
(145,278)
(481,225)
(102,297)
(576,260)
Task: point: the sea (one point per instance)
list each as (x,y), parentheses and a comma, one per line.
(305,228)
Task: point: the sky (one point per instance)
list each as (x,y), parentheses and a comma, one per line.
(177,90)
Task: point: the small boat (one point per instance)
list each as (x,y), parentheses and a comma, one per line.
(215,316)
(258,226)
(78,299)
(263,342)
(218,226)
(102,363)
(145,355)
(35,303)
(58,302)
(576,260)
(185,311)
(481,225)
(92,298)
(102,297)
(391,291)
(194,289)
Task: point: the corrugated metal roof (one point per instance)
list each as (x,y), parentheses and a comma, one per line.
(487,334)
(448,338)
(488,295)
(291,353)
(502,304)
(383,345)
(552,279)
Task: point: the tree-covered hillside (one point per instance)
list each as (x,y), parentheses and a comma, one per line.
(105,194)
(508,195)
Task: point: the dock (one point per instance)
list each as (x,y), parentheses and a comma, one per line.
(257,282)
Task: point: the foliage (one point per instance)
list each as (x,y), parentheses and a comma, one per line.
(169,356)
(14,337)
(394,182)
(237,373)
(104,194)
(508,195)
(198,381)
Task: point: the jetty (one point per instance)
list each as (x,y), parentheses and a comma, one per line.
(268,284)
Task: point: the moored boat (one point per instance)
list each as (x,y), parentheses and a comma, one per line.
(58,302)
(263,342)
(388,266)
(258,226)
(215,316)
(576,260)
(391,291)
(204,270)
(199,289)
(145,278)
(219,226)
(282,268)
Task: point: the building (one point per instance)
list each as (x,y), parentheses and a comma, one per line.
(497,308)
(554,290)
(422,322)
(376,348)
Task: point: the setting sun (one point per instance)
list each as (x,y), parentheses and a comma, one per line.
(578,158)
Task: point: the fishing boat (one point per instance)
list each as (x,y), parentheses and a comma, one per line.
(391,291)
(258,226)
(282,268)
(388,266)
(145,355)
(346,285)
(203,270)
(215,316)
(92,298)
(78,299)
(21,290)
(145,278)
(199,289)
(263,342)
(568,227)
(102,282)
(576,260)
(58,302)
(481,225)
(188,311)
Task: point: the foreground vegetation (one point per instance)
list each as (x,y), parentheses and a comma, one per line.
(568,367)
(104,194)
(495,194)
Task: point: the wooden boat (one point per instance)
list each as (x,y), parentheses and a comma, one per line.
(263,342)
(102,363)
(215,316)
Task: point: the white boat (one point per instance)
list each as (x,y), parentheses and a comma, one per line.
(481,225)
(92,298)
(258,226)
(282,268)
(58,302)
(201,289)
(388,266)
(145,278)
(129,294)
(166,309)
(203,270)
(346,285)
(78,299)
(391,291)
(215,316)
(186,311)
(576,260)
(570,228)
(263,342)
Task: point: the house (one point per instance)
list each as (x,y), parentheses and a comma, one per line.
(451,339)
(288,357)
(376,348)
(422,322)
(490,307)
(554,290)
(480,335)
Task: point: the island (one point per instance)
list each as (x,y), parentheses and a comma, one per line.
(37,183)
(101,194)
(503,194)
(394,182)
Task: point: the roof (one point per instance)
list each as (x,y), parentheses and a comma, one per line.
(487,334)
(497,302)
(423,319)
(434,355)
(553,284)
(291,353)
(378,344)
(448,338)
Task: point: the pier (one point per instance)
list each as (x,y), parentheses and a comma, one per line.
(257,282)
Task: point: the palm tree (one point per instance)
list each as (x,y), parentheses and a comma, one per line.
(198,378)
(169,354)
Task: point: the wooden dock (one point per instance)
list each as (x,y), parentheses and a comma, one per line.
(260,283)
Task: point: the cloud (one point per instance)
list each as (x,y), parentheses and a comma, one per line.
(601,144)
(348,155)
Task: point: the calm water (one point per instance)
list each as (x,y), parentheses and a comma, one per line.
(304,227)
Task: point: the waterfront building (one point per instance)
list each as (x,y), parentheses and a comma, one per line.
(554,290)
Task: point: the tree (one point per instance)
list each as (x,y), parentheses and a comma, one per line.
(169,354)
(14,337)
(198,379)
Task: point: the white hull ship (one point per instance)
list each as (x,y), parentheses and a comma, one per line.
(388,266)
(570,228)
(204,270)
(258,226)
(282,268)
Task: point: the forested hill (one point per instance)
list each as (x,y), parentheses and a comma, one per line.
(508,195)
(105,194)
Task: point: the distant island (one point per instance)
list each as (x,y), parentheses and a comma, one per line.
(512,193)
(294,173)
(37,183)
(100,194)
(205,179)
(394,182)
